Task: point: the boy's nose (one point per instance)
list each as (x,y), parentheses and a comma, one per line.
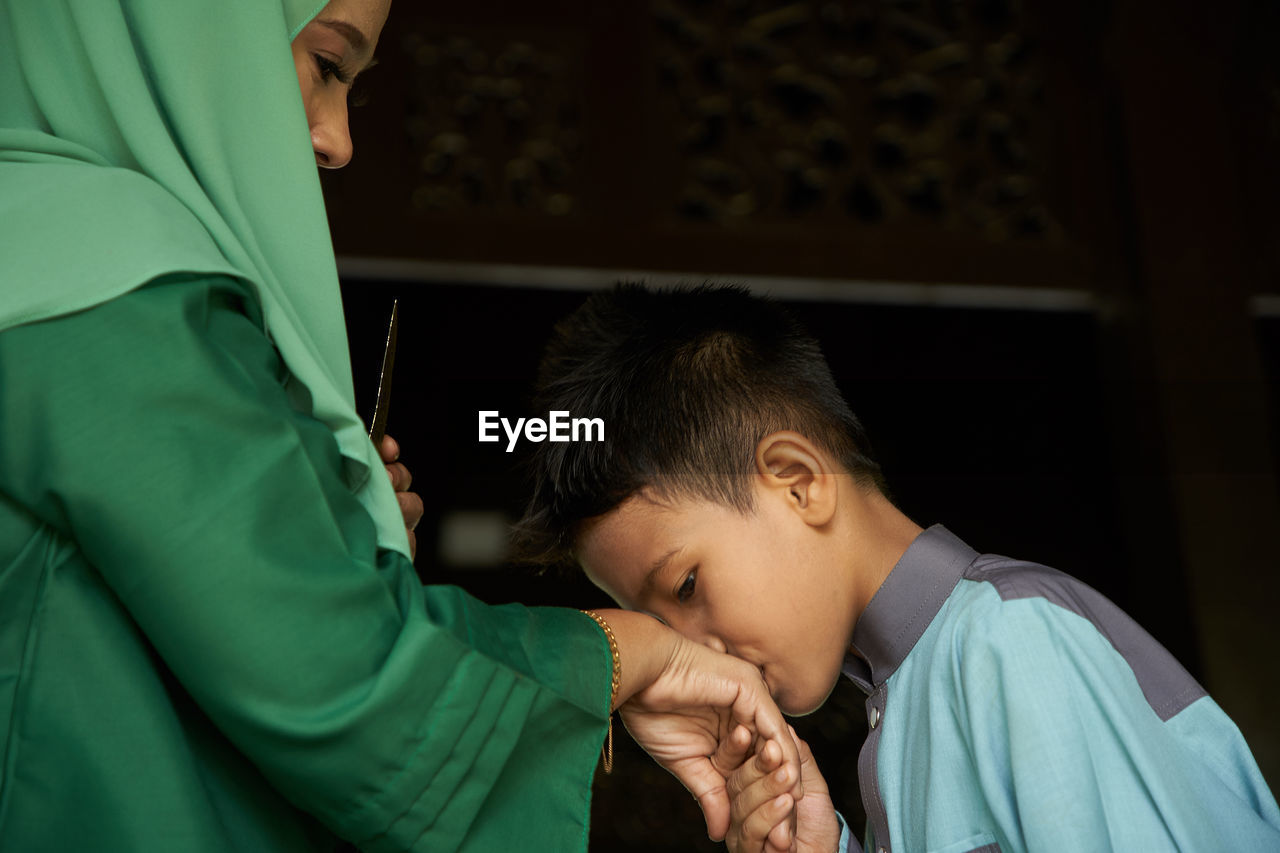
(715,643)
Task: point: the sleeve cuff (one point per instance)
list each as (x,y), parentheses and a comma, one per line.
(847,843)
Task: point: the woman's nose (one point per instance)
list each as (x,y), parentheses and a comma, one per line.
(331,138)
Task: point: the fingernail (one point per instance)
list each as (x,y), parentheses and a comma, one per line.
(783,775)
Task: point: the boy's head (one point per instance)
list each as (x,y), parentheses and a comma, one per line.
(710,503)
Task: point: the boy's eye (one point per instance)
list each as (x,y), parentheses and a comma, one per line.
(685,592)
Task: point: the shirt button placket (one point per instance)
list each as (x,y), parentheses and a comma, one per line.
(875,715)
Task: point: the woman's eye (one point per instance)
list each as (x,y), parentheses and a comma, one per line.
(330,69)
(685,592)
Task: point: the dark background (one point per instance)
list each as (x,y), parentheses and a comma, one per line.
(1037,241)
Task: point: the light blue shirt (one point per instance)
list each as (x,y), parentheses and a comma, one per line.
(1012,708)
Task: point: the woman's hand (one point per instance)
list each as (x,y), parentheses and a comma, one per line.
(695,710)
(410,504)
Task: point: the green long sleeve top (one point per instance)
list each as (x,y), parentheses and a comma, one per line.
(201,646)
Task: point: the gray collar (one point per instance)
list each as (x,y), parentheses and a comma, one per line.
(905,604)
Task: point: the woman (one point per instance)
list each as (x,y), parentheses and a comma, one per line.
(211,636)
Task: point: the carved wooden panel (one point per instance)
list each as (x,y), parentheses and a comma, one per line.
(1260,61)
(862,139)
(493,124)
(882,113)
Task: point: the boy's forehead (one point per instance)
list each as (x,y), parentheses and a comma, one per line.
(618,550)
(623,549)
(620,533)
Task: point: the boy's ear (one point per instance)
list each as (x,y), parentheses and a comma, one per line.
(788,462)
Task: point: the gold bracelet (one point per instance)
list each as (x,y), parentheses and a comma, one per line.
(613,689)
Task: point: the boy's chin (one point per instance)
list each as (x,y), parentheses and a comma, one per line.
(799,703)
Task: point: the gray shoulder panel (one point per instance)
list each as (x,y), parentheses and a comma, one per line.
(1167,686)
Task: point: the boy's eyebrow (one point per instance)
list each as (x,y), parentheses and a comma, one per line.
(651,575)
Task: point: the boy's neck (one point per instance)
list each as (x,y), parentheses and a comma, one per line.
(878,535)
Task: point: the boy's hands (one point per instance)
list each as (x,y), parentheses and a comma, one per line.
(763,819)
(696,712)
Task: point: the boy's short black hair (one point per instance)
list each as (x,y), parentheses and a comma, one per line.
(687,381)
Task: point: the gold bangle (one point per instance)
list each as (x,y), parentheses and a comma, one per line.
(613,650)
(613,688)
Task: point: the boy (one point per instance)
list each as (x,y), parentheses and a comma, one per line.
(1010,707)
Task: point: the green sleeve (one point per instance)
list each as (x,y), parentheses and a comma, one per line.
(155,432)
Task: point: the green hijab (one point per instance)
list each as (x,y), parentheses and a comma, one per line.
(145,137)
